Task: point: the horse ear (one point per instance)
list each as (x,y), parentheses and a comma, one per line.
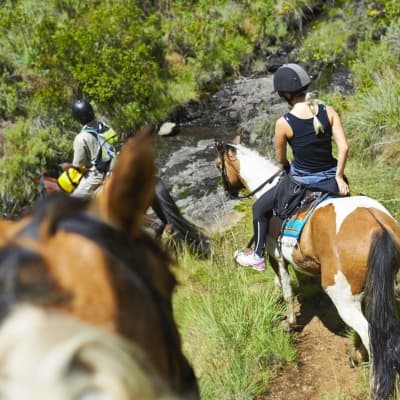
(129,191)
(236,140)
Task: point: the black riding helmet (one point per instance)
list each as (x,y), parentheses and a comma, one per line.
(82,111)
(291,78)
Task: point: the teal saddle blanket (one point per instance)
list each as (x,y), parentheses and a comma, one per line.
(293,226)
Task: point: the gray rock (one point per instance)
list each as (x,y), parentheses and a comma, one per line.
(167,129)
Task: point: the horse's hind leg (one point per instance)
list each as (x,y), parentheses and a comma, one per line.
(348,306)
(280,268)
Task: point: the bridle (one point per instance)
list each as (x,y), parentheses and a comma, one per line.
(222,149)
(228,187)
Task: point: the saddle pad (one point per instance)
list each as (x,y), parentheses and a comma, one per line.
(293,226)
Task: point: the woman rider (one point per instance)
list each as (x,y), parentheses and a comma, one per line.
(308,127)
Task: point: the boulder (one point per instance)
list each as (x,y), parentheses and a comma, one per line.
(167,129)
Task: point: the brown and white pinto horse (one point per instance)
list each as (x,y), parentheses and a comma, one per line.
(91,261)
(353,243)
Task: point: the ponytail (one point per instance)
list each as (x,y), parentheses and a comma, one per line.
(313,103)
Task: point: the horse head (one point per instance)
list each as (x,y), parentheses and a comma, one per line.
(228,165)
(92,261)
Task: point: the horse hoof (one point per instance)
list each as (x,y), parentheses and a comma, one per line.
(357,357)
(352,362)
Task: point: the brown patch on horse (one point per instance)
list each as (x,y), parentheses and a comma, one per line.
(388,223)
(229,165)
(362,225)
(125,183)
(84,272)
(49,182)
(233,168)
(9,228)
(103,294)
(316,245)
(321,242)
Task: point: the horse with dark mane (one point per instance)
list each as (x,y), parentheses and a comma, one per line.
(91,261)
(352,243)
(168,216)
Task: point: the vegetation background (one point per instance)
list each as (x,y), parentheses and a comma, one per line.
(138,61)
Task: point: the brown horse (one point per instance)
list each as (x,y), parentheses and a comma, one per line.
(92,261)
(352,243)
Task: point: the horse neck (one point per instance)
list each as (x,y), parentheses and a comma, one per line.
(255,170)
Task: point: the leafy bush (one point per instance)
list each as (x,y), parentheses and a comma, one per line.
(325,43)
(294,11)
(27,147)
(136,61)
(374,57)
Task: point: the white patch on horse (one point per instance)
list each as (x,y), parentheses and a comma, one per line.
(349,306)
(346,205)
(255,169)
(287,246)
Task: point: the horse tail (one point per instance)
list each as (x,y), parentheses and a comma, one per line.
(182,229)
(380,311)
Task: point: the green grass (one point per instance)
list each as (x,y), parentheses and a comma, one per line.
(379,181)
(230,320)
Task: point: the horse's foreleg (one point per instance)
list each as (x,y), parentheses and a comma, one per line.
(280,267)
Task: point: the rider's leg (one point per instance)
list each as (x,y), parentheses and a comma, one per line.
(88,185)
(262,213)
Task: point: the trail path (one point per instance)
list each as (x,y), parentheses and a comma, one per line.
(322,370)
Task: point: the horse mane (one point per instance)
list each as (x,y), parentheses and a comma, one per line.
(254,168)
(255,159)
(45,355)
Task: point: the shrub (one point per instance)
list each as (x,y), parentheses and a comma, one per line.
(27,147)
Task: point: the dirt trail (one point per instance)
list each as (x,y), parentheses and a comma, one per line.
(322,370)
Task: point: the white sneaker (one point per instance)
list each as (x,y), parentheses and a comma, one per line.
(250,259)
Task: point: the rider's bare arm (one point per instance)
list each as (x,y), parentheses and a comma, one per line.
(282,133)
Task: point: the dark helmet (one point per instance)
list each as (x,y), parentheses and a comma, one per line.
(291,78)
(82,111)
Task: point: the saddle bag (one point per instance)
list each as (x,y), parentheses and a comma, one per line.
(69,179)
(288,196)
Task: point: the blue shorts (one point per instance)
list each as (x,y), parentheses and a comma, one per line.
(318,181)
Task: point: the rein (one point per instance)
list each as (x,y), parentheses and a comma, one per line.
(269,180)
(227,185)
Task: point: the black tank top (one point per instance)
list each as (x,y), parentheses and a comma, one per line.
(312,152)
